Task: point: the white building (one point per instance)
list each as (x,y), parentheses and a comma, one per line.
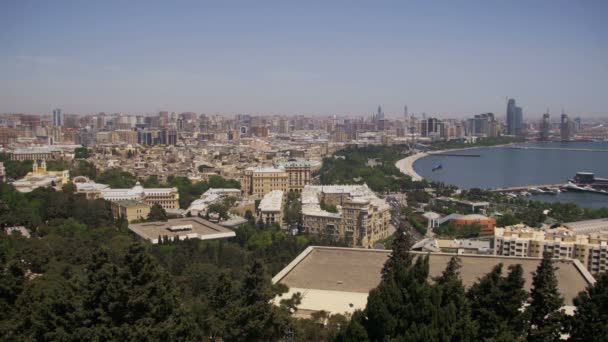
(270,209)
(211,196)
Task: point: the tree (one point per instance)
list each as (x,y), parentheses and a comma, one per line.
(590,321)
(544,310)
(69,188)
(157,213)
(496,302)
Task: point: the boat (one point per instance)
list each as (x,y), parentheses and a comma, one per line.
(536,191)
(437,167)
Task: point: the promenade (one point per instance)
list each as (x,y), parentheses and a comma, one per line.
(406,165)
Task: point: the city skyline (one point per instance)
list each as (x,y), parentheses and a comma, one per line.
(317,59)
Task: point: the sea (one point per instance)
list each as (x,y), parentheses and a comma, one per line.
(534,163)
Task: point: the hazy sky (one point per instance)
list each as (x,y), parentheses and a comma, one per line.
(304,57)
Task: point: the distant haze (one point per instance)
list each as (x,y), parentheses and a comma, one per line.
(452,58)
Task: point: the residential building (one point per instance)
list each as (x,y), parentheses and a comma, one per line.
(130,210)
(362,218)
(299,174)
(270,209)
(182,228)
(258,181)
(562,243)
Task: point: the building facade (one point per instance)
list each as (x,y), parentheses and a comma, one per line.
(130,210)
(361,218)
(270,209)
(562,243)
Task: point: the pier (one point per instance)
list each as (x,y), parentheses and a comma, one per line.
(555,148)
(528,188)
(457,155)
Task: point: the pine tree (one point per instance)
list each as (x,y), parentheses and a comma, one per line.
(545,318)
(496,302)
(454,310)
(590,321)
(400,255)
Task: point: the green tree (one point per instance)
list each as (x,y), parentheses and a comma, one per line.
(157,213)
(496,303)
(81,153)
(546,319)
(590,321)
(69,188)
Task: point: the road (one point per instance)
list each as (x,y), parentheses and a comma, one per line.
(396,201)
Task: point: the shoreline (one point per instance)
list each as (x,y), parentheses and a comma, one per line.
(406,165)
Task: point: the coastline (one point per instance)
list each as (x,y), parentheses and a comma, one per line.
(406,165)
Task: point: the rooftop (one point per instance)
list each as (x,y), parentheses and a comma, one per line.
(588,226)
(348,274)
(272,201)
(198,229)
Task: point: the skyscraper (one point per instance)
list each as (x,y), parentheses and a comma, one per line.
(57,117)
(565,127)
(514,118)
(545,126)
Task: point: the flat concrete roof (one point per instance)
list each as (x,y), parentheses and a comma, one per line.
(201,229)
(358,270)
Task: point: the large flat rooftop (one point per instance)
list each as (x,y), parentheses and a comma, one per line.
(188,227)
(338,279)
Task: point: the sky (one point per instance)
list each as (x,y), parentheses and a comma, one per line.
(445,58)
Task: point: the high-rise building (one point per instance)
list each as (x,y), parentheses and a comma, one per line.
(514,118)
(57,117)
(565,127)
(545,127)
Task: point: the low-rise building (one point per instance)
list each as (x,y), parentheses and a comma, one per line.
(362,218)
(211,196)
(182,228)
(456,246)
(130,210)
(338,280)
(168,198)
(562,243)
(36,153)
(485,223)
(270,209)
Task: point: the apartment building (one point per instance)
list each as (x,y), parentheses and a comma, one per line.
(562,243)
(270,209)
(258,181)
(288,176)
(361,219)
(2,173)
(299,174)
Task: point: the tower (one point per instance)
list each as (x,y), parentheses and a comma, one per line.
(57,117)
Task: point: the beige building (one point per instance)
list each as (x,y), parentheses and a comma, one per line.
(258,181)
(361,219)
(522,241)
(130,210)
(289,176)
(127,136)
(107,138)
(168,198)
(270,209)
(299,174)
